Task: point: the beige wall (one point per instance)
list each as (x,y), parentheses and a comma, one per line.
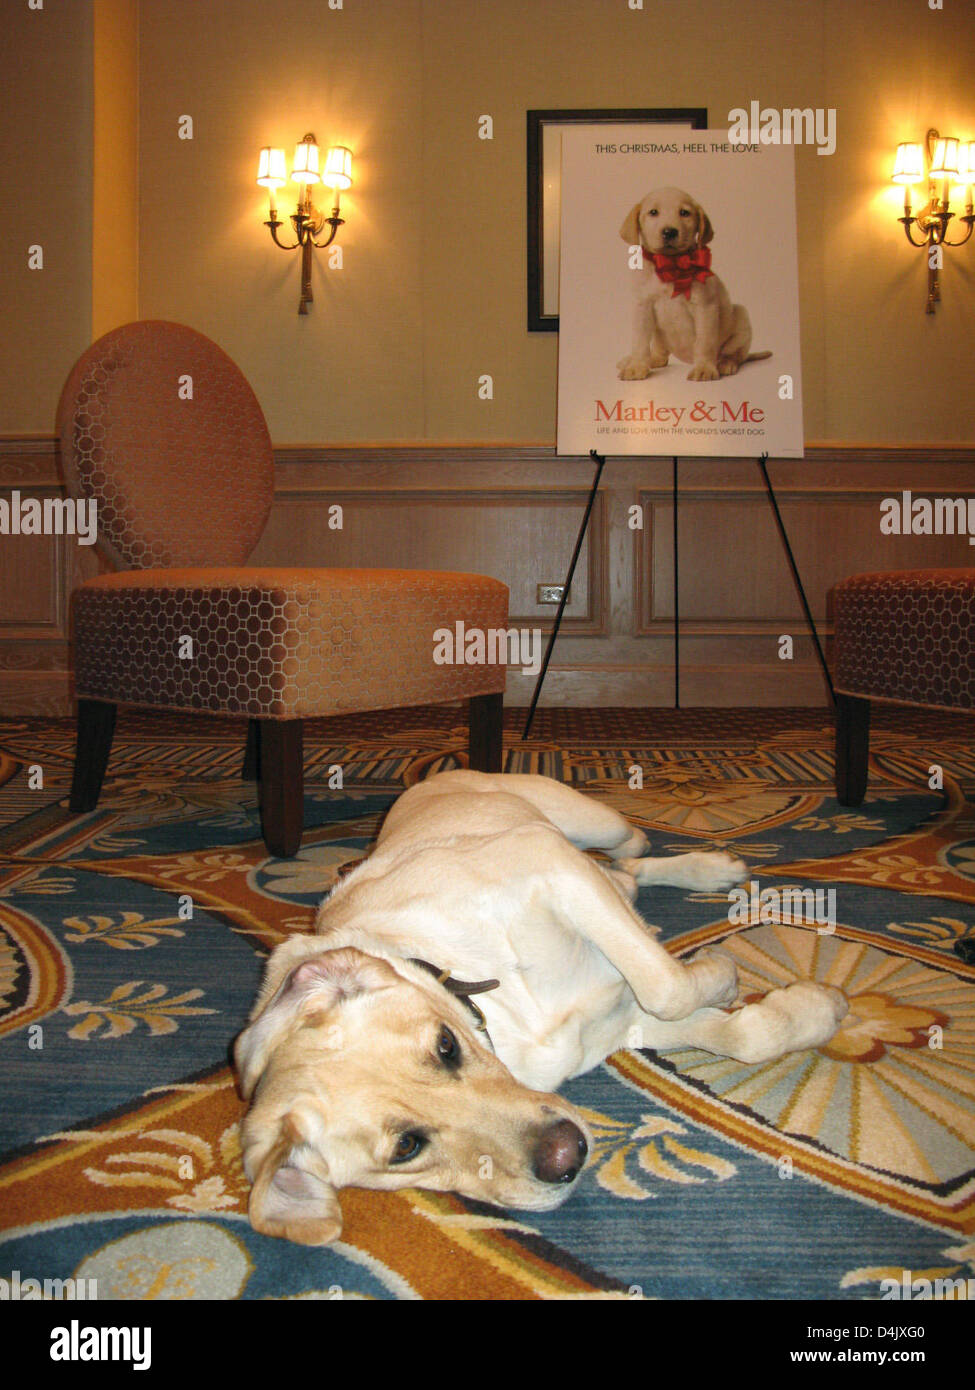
(45,187)
(433,290)
(432,293)
(115,184)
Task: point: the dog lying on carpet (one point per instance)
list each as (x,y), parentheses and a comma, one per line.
(368,1063)
(682,307)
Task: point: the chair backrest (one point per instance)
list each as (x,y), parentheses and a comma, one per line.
(161,428)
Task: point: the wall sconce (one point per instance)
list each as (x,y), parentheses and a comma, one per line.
(307,221)
(951,163)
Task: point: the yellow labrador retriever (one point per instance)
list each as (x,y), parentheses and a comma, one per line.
(682,308)
(367,1061)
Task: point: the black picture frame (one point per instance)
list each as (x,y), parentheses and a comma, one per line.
(541,318)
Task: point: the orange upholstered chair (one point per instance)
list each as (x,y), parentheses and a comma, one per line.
(905,637)
(160,428)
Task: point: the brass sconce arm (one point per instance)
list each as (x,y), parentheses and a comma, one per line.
(318,224)
(306,228)
(934,225)
(273,224)
(967,217)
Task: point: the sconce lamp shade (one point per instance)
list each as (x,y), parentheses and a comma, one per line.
(908,164)
(944,165)
(305,167)
(966,162)
(338,168)
(271,171)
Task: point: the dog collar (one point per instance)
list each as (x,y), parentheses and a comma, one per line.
(462,989)
(683,270)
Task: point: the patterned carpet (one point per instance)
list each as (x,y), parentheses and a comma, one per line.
(131,945)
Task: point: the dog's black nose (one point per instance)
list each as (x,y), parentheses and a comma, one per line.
(669,233)
(560,1153)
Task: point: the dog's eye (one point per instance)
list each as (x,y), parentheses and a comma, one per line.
(685,212)
(448,1048)
(653,213)
(408,1145)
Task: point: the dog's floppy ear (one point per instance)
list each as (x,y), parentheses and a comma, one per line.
(293,1196)
(705,232)
(630,230)
(326,977)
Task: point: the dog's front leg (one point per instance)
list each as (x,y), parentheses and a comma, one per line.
(706,319)
(646,353)
(659,346)
(801,1016)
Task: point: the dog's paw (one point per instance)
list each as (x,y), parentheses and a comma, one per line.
(633,368)
(727,366)
(659,359)
(713,872)
(814,1012)
(703,371)
(839,1001)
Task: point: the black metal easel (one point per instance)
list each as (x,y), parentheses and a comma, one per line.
(798,582)
(676,597)
(600,462)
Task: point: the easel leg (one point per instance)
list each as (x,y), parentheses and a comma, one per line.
(798,582)
(676,599)
(600,463)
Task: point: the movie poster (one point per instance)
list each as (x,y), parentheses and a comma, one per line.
(678,312)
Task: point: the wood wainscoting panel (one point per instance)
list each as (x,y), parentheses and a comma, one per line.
(37,574)
(734,573)
(31,568)
(524,538)
(513,512)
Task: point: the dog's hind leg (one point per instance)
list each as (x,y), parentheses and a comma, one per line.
(589,823)
(734,350)
(585,821)
(706,871)
(588,900)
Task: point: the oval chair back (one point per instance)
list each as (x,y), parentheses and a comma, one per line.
(162,430)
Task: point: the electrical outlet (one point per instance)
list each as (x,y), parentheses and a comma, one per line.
(550,593)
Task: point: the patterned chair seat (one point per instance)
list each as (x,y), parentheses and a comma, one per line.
(280,643)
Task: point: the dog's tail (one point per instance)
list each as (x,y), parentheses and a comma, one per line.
(757,356)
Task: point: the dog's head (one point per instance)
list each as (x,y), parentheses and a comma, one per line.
(366,1072)
(667,221)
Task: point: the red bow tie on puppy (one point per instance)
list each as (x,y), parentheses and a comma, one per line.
(681,271)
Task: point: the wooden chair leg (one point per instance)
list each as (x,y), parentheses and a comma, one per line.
(96,725)
(486,727)
(852,748)
(251,771)
(282,791)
